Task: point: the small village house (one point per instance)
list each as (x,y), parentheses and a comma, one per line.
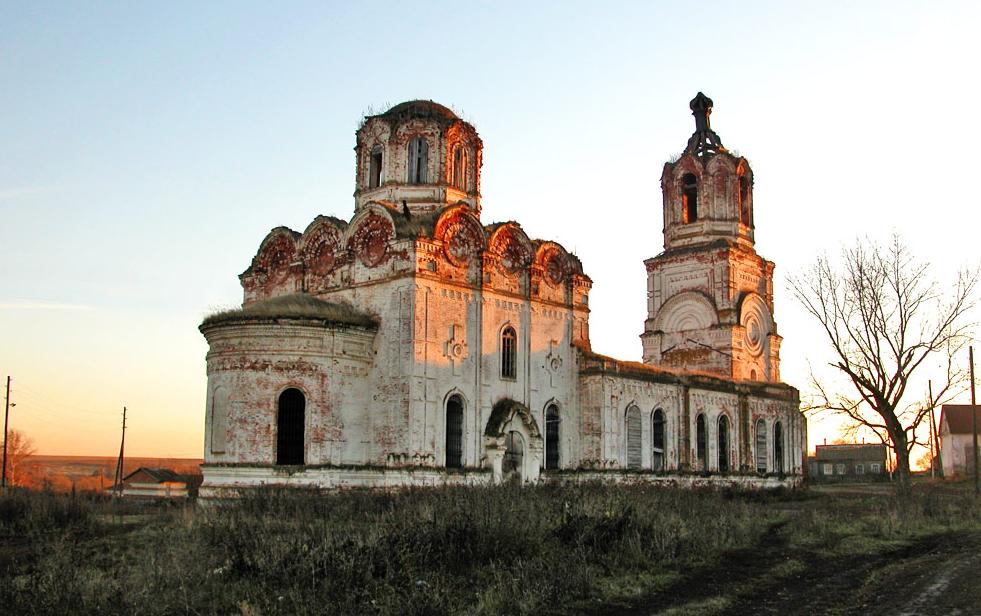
(848,462)
(957,439)
(155,483)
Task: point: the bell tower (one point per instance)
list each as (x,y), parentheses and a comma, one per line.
(708,192)
(419,156)
(709,295)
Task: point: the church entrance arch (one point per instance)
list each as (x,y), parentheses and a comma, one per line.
(514,453)
(513,443)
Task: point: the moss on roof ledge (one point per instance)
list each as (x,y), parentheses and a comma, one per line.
(298,306)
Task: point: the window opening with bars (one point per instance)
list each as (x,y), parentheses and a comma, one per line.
(454,432)
(552,424)
(657,441)
(509,352)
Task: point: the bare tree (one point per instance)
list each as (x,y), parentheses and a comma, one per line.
(19,448)
(884,316)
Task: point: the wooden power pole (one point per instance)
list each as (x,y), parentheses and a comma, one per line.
(974,423)
(937,461)
(6,416)
(117,484)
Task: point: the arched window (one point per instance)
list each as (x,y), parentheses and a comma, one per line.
(761,446)
(724,444)
(289,427)
(418,160)
(700,441)
(375,167)
(514,453)
(744,200)
(689,198)
(219,420)
(552,424)
(460,168)
(657,441)
(633,437)
(454,432)
(778,447)
(509,353)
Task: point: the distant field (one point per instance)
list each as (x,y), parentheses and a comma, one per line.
(95,472)
(586,549)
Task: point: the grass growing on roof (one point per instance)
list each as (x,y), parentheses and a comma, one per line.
(296,306)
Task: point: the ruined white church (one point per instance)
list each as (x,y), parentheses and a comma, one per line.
(418,345)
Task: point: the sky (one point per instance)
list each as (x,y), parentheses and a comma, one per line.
(147,148)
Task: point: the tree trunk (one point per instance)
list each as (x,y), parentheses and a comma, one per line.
(904,484)
(901,474)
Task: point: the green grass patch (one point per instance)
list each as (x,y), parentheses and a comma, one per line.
(521,550)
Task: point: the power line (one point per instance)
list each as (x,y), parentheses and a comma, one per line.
(38,396)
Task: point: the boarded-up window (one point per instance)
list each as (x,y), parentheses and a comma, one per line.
(509,351)
(289,432)
(454,432)
(778,447)
(460,168)
(689,198)
(658,461)
(700,441)
(418,160)
(552,424)
(514,453)
(724,452)
(761,446)
(219,420)
(633,438)
(375,167)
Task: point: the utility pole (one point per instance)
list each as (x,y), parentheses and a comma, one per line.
(6,416)
(935,434)
(117,484)
(933,437)
(974,422)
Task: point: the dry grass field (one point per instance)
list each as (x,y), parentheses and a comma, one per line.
(587,549)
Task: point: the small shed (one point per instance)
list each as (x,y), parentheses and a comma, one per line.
(957,439)
(155,483)
(848,462)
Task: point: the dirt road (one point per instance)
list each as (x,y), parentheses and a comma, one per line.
(936,575)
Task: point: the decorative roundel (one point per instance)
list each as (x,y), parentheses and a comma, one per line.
(515,256)
(370,241)
(556,364)
(555,269)
(461,242)
(321,254)
(755,322)
(277,255)
(323,258)
(457,350)
(754,336)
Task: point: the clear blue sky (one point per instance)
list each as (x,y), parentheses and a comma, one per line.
(146,149)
